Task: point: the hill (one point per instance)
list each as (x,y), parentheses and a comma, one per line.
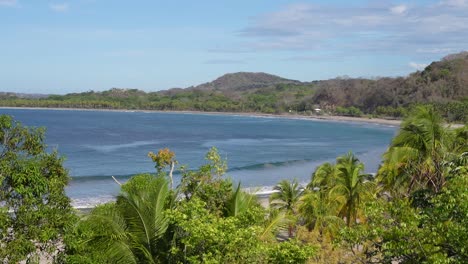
(443,84)
(238,81)
(244,81)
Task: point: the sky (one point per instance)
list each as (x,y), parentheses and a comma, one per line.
(80,45)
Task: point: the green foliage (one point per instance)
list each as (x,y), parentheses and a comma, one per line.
(396,112)
(348,111)
(132,230)
(275,222)
(147,225)
(203,237)
(286,196)
(34,212)
(240,202)
(446,224)
(286,199)
(389,233)
(418,153)
(428,223)
(396,231)
(319,212)
(336,191)
(454,111)
(208,184)
(291,251)
(415,213)
(351,186)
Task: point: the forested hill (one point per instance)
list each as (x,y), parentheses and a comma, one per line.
(238,81)
(443,83)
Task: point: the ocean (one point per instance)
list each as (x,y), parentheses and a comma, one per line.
(260,150)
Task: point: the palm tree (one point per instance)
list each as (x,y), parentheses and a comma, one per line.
(286,196)
(351,187)
(131,230)
(416,155)
(286,199)
(323,177)
(317,208)
(319,212)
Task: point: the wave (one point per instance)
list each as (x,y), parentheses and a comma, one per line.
(267,165)
(114,147)
(256,166)
(91,202)
(263,141)
(90,178)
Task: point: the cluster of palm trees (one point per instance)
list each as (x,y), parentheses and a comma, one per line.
(418,156)
(419,159)
(333,197)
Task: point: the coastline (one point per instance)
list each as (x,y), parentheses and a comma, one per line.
(265,190)
(263,198)
(262,192)
(325,118)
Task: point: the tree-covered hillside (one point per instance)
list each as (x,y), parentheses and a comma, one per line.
(443,84)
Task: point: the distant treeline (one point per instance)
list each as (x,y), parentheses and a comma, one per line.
(443,84)
(267,103)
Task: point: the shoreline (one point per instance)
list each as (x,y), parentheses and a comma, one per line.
(325,118)
(261,192)
(262,198)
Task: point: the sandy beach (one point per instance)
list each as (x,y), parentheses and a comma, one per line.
(331,118)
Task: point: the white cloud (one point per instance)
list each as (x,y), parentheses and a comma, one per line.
(63,7)
(399,9)
(423,28)
(417,66)
(8,2)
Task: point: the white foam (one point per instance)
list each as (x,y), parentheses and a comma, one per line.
(263,141)
(110,148)
(91,202)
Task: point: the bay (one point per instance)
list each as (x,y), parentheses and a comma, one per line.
(260,150)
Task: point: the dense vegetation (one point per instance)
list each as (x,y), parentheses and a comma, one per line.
(34,210)
(443,84)
(413,211)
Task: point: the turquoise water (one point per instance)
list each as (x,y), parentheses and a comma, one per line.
(260,150)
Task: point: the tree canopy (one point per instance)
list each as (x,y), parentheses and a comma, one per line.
(34,212)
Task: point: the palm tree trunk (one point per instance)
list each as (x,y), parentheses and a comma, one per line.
(348,216)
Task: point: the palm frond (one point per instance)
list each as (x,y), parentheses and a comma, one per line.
(277,220)
(240,202)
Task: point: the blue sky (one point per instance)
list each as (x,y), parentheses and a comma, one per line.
(81,45)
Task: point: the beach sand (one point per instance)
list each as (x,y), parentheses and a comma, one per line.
(324,118)
(331,118)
